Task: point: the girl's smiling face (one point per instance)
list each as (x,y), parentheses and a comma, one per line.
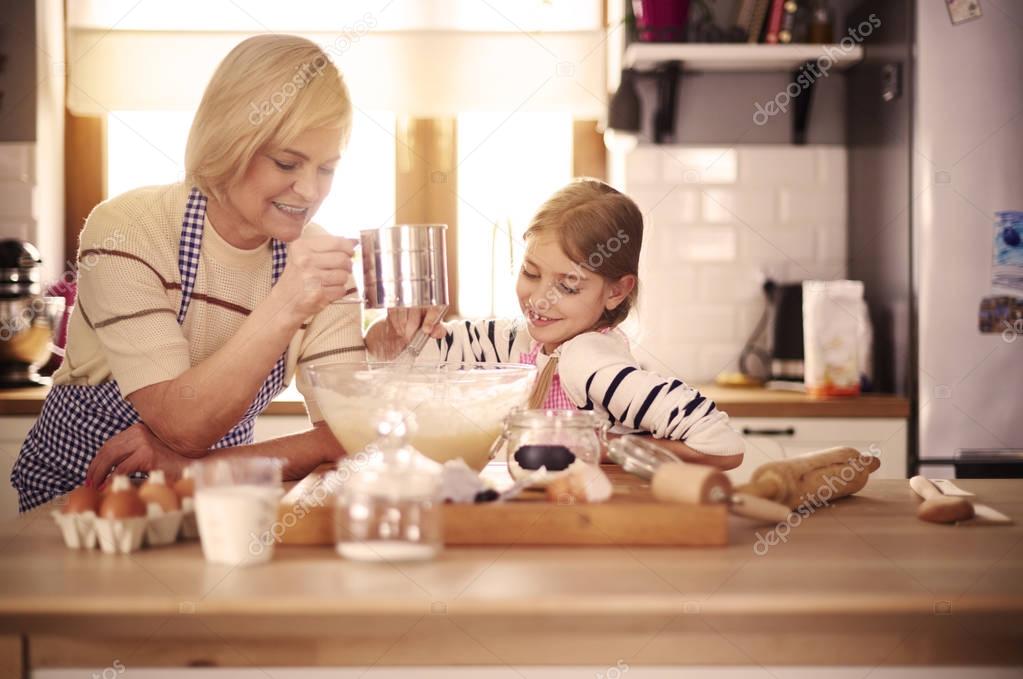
(561,299)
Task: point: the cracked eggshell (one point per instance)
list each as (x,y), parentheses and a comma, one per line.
(584,483)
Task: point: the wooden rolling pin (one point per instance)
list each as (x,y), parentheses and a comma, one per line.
(813,477)
(938,507)
(701,484)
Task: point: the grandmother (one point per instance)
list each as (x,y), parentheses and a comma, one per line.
(216,291)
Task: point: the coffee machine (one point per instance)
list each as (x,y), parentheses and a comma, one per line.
(28,318)
(781,364)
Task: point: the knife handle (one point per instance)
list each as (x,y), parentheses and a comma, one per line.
(923,487)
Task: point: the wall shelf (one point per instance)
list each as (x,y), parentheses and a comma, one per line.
(738,57)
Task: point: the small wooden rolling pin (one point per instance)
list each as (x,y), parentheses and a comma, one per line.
(701,484)
(804,479)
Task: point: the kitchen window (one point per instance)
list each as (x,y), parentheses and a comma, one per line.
(476,143)
(508,165)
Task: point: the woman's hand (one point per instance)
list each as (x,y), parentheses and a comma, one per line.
(136,449)
(318,272)
(386,338)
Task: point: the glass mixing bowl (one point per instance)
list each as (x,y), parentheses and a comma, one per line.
(459,408)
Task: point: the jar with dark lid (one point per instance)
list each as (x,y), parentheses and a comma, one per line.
(555,439)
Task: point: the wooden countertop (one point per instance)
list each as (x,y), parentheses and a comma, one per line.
(862,582)
(737,402)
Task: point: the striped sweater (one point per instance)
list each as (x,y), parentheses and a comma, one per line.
(599,373)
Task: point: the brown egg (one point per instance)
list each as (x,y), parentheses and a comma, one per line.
(184,487)
(155,490)
(122,501)
(82,499)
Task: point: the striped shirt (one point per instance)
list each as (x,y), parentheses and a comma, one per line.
(598,372)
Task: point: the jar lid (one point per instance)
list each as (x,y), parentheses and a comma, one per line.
(394,469)
(551,418)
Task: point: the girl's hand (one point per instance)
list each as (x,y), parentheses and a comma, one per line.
(318,272)
(136,449)
(386,338)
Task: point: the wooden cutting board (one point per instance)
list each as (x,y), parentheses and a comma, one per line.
(631,517)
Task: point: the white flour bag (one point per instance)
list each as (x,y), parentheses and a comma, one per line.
(835,324)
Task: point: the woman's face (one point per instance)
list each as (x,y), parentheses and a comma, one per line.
(283,187)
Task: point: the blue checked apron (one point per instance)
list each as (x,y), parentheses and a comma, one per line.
(76,420)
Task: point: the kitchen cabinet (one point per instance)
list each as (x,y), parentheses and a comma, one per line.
(13,431)
(776,438)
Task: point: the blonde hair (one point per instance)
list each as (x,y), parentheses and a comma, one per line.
(268,90)
(601,230)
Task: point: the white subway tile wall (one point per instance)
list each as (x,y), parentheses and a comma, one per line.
(719,221)
(17,190)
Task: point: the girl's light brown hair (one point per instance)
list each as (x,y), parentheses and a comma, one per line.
(268,90)
(600,229)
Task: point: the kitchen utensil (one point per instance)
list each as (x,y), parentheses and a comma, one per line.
(459,407)
(389,510)
(701,484)
(812,478)
(937,508)
(640,457)
(236,501)
(950,489)
(405,266)
(940,507)
(673,480)
(28,319)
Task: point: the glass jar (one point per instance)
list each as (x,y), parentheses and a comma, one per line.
(555,439)
(389,509)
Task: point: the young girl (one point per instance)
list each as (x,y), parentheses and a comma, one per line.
(578,282)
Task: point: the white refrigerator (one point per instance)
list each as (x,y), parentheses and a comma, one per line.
(967,166)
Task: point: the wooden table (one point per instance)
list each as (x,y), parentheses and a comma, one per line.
(862,583)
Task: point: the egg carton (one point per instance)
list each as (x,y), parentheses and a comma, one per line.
(121,536)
